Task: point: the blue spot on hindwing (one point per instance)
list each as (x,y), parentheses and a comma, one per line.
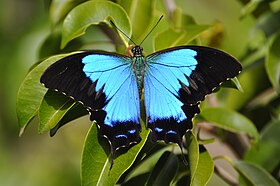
(121,136)
(158,129)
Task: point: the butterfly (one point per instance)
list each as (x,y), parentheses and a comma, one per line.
(172,81)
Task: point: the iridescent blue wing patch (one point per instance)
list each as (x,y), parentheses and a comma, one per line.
(105,84)
(176,80)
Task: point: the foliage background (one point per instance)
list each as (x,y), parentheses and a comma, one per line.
(38,159)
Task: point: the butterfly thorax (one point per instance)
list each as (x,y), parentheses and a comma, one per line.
(139,66)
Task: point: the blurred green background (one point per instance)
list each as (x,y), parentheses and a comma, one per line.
(31,159)
(35,159)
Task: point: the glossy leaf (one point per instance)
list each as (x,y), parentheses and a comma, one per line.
(230,120)
(164,171)
(96,161)
(205,168)
(92,13)
(272,63)
(31,92)
(53,107)
(254,174)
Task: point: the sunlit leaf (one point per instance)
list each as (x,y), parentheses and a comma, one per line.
(96,161)
(92,13)
(230,120)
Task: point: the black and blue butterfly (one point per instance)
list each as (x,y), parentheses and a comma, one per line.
(110,86)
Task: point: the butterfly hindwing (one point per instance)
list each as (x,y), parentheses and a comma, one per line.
(105,84)
(176,80)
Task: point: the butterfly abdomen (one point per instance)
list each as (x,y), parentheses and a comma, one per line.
(138,64)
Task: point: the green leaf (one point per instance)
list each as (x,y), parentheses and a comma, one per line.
(171,38)
(59,9)
(95,169)
(184,31)
(181,20)
(146,165)
(217,180)
(205,168)
(266,152)
(250,7)
(254,174)
(167,39)
(193,153)
(31,93)
(254,80)
(137,180)
(165,170)
(272,63)
(92,13)
(53,107)
(269,23)
(140,14)
(76,111)
(230,120)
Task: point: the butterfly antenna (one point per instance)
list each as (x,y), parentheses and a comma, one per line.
(151,30)
(113,24)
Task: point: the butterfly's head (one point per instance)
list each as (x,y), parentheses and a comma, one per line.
(137,51)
